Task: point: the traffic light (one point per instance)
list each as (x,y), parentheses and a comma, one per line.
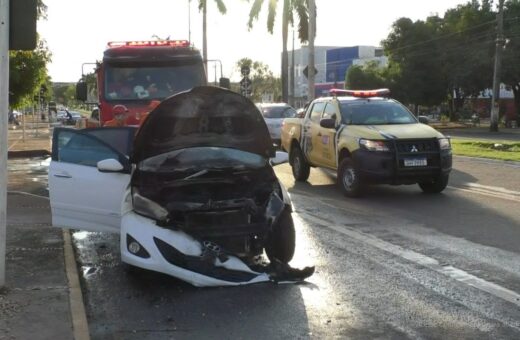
(22,24)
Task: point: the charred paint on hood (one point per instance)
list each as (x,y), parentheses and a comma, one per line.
(203,116)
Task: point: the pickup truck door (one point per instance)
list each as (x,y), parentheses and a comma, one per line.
(311,140)
(81,196)
(327,139)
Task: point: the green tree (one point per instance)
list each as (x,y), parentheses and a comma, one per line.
(510,74)
(262,79)
(366,77)
(28,70)
(468,48)
(415,60)
(290,8)
(203,7)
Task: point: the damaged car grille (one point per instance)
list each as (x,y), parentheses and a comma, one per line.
(211,224)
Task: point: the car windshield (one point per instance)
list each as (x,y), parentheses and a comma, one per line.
(198,158)
(370,112)
(277,111)
(135,83)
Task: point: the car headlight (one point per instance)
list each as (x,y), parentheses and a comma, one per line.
(147,207)
(374,145)
(444,143)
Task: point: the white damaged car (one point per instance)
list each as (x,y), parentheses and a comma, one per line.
(193,195)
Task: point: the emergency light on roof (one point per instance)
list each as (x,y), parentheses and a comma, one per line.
(360,93)
(150,43)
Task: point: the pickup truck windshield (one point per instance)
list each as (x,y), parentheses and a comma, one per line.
(157,82)
(369,112)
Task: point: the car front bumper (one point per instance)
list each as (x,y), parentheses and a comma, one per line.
(178,254)
(389,168)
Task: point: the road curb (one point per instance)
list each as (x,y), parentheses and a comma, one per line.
(489,160)
(28,153)
(77,308)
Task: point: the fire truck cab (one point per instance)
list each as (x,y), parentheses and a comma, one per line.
(137,74)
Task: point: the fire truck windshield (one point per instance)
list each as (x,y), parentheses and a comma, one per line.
(150,82)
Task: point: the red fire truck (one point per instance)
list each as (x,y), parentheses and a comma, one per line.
(137,74)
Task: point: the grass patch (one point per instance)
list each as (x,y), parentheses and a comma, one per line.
(506,151)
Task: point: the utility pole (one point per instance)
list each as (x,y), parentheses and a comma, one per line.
(495,101)
(291,78)
(189,21)
(4,106)
(312,34)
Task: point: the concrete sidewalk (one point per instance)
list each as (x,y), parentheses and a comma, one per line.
(42,297)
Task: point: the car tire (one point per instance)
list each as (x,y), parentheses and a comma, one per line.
(349,179)
(281,241)
(300,168)
(436,185)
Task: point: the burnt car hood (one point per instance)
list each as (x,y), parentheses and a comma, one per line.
(204,116)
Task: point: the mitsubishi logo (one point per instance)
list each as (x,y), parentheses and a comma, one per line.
(414,149)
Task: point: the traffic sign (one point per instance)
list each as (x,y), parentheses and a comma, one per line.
(245,70)
(306,71)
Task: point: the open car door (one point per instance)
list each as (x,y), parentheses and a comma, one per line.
(81,195)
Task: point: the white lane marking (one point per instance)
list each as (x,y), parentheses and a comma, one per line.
(426,261)
(491,188)
(513,196)
(490,161)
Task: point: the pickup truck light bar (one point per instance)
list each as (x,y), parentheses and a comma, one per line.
(149,43)
(360,93)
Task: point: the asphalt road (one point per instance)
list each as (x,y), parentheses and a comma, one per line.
(394,264)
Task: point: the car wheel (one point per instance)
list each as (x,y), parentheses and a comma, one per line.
(436,185)
(282,239)
(300,168)
(349,179)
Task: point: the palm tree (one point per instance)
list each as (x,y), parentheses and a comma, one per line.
(289,8)
(203,4)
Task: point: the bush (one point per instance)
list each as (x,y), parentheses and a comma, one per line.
(445,119)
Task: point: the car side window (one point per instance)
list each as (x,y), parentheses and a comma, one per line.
(317,110)
(81,149)
(330,111)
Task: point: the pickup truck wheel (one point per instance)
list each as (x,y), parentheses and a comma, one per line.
(282,239)
(436,185)
(300,167)
(349,179)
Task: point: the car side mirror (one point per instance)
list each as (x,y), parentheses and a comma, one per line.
(110,165)
(280,158)
(328,123)
(423,120)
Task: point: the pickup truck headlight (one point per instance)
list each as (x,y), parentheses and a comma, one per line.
(374,145)
(147,207)
(444,143)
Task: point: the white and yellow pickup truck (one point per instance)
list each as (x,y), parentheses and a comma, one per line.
(367,138)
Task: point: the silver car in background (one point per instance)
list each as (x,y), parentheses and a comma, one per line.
(274,114)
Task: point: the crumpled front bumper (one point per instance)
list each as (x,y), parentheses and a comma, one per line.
(178,254)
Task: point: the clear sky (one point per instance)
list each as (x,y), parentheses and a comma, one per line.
(78,31)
